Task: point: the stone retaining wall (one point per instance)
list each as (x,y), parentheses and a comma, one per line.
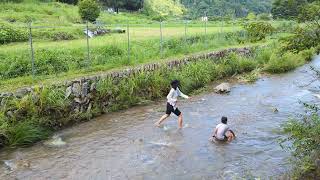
(81,89)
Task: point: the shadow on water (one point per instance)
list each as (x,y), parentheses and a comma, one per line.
(126,145)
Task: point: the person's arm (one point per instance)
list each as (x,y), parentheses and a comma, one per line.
(182,95)
(215,132)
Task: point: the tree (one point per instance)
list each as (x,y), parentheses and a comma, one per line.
(310,13)
(289,9)
(238,8)
(161,9)
(307,36)
(115,4)
(132,5)
(89,10)
(258,31)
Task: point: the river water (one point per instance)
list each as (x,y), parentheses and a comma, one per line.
(126,145)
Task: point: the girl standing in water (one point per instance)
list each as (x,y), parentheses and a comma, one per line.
(172,104)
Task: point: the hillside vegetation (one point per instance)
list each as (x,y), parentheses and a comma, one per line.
(55,13)
(226,8)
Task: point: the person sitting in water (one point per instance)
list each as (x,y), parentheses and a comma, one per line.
(223,132)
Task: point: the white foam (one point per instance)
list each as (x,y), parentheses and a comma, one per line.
(161,143)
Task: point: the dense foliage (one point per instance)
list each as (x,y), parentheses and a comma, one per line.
(308,36)
(304,135)
(258,31)
(303,131)
(161,9)
(9,33)
(89,10)
(289,9)
(237,8)
(133,5)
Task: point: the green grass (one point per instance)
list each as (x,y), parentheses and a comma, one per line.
(54,13)
(67,59)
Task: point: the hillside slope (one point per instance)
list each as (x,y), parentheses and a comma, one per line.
(54,13)
(226,7)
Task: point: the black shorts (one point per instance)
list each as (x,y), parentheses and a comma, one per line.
(170,110)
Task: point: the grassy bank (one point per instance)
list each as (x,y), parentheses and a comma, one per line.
(60,47)
(69,59)
(35,116)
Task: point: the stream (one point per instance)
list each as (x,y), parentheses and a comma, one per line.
(126,145)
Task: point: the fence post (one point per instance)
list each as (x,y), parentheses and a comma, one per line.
(233,22)
(88,48)
(185,30)
(161,40)
(205,36)
(31,49)
(128,39)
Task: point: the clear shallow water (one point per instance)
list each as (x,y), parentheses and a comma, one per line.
(126,145)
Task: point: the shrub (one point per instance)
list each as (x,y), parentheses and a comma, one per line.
(89,10)
(287,26)
(196,75)
(50,62)
(25,133)
(236,64)
(303,138)
(265,17)
(302,38)
(57,34)
(282,63)
(263,55)
(258,30)
(9,33)
(317,49)
(239,36)
(308,54)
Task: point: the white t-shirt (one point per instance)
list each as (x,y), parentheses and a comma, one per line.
(221,131)
(173,95)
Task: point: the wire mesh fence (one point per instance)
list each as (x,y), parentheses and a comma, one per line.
(50,51)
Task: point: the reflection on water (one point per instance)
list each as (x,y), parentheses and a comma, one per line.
(126,145)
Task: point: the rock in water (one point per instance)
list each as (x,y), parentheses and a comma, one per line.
(222,88)
(16,164)
(275,110)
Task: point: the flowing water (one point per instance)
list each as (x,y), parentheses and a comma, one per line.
(126,145)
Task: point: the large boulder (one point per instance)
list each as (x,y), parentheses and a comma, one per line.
(222,88)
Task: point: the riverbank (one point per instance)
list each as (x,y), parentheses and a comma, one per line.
(33,115)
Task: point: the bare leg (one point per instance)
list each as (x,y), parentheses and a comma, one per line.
(180,121)
(164,117)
